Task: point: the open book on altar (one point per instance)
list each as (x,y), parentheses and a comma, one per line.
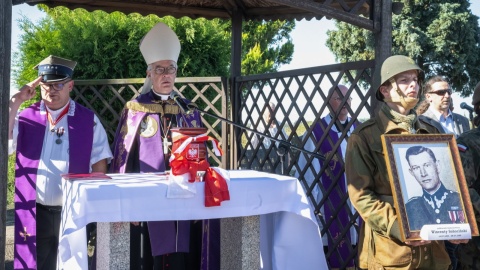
(84,176)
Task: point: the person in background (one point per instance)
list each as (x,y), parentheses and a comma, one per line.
(397,86)
(143,143)
(469,148)
(272,130)
(51,137)
(333,175)
(439,94)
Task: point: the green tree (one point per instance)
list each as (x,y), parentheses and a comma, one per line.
(105,45)
(442,36)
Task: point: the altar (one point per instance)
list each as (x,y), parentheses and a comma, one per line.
(289,235)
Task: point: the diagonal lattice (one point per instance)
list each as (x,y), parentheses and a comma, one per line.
(107,98)
(301,101)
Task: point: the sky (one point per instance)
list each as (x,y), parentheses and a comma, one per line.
(309,38)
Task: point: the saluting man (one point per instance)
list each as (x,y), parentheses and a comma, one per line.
(53,136)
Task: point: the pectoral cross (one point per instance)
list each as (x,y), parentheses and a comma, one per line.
(166,144)
(24,234)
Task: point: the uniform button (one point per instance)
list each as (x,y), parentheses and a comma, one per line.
(413,251)
(438,220)
(426,257)
(437,211)
(425,248)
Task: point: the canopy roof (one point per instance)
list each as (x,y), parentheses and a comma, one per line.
(344,10)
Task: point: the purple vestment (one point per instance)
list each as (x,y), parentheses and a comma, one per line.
(31,133)
(334,206)
(166,236)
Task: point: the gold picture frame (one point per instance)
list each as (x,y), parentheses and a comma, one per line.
(431,159)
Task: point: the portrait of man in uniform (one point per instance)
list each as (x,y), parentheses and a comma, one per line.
(437,204)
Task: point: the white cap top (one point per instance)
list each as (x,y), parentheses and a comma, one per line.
(160,43)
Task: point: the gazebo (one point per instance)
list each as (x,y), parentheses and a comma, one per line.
(242,91)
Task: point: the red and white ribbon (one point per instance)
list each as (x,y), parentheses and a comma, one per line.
(200,138)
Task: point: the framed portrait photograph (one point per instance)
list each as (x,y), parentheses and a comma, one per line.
(428,183)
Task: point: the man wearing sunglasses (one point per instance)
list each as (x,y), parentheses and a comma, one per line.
(51,137)
(439,95)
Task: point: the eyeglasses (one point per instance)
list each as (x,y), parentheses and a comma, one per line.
(54,86)
(164,70)
(442,92)
(340,99)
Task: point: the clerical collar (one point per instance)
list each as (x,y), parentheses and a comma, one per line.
(343,123)
(161,96)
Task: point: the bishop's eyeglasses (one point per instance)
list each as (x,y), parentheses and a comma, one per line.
(164,70)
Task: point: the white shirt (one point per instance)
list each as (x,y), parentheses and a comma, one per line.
(447,122)
(54,159)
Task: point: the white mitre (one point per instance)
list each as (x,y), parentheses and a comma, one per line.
(160,43)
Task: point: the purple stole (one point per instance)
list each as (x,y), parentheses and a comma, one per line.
(165,236)
(334,200)
(31,133)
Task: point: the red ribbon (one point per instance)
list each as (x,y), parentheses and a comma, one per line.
(180,165)
(216,188)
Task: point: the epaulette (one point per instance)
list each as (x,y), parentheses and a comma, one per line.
(414,198)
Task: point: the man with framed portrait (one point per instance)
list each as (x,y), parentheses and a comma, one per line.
(381,245)
(437,205)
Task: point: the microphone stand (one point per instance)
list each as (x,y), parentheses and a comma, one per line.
(283,147)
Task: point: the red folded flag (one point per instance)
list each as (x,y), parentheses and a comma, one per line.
(216,188)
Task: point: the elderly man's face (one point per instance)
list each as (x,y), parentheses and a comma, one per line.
(163,74)
(425,171)
(57,94)
(337,99)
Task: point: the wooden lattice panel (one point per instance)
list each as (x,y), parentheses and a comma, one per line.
(302,99)
(107,98)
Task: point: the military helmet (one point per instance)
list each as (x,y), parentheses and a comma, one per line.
(392,66)
(476,94)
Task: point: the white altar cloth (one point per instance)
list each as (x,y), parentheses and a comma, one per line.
(289,235)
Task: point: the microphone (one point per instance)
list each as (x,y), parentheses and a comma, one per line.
(464,106)
(184,107)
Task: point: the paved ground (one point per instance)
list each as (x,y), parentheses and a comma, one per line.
(9,240)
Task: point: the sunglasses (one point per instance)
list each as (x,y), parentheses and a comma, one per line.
(442,92)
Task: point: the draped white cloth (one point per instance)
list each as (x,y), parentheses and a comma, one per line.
(289,235)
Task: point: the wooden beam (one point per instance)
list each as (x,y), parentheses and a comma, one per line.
(235,95)
(5,55)
(382,16)
(328,12)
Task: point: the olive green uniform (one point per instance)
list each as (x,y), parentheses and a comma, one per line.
(469,146)
(370,192)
